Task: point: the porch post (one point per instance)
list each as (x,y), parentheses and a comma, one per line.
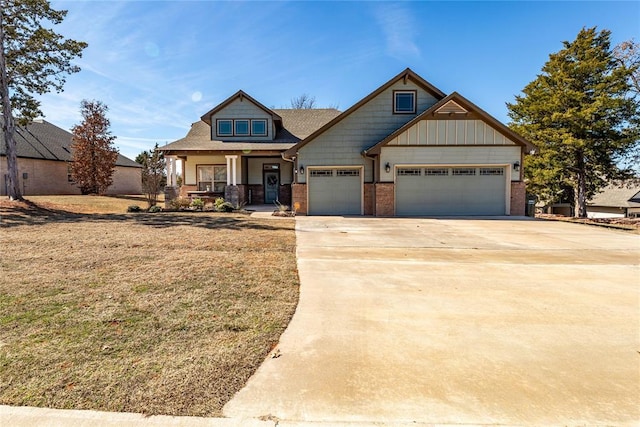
(228,169)
(231,191)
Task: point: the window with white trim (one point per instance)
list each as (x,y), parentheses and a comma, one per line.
(404,101)
(241,127)
(212,178)
(224,128)
(259,127)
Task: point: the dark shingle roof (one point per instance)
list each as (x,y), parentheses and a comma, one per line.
(43,140)
(618,195)
(296,125)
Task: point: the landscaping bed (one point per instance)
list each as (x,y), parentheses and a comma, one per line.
(154,313)
(627,224)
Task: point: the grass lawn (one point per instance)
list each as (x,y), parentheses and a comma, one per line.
(166,313)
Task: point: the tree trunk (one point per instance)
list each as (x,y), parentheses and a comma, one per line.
(8,126)
(581,190)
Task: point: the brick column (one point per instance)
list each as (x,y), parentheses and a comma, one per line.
(385,199)
(518,198)
(299,195)
(369,199)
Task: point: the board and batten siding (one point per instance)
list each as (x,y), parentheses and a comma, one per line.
(244,109)
(451,132)
(434,155)
(343,143)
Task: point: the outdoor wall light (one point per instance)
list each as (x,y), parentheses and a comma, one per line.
(387,167)
(516,166)
(302,170)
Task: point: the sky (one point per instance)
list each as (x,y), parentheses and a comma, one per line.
(160,65)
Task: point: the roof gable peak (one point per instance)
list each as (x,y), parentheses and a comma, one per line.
(241,95)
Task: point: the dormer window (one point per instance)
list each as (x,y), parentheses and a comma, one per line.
(241,127)
(404,102)
(225,128)
(259,127)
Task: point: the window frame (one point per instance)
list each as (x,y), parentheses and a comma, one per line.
(266,131)
(213,181)
(218,122)
(234,129)
(236,122)
(414,94)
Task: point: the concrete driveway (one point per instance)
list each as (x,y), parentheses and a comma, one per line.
(454,321)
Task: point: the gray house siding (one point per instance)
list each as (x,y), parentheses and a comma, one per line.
(242,109)
(344,142)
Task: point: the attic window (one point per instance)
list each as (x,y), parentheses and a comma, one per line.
(225,128)
(241,127)
(404,102)
(259,127)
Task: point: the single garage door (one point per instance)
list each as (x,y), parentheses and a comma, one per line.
(450,190)
(335,191)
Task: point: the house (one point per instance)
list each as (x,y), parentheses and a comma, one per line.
(43,163)
(616,201)
(406,149)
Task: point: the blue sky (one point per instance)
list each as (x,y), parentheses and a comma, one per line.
(160,65)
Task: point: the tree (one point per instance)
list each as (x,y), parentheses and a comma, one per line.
(33,60)
(579,114)
(303,102)
(628,54)
(154,177)
(94,157)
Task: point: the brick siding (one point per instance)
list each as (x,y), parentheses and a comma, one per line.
(299,195)
(385,199)
(369,199)
(518,198)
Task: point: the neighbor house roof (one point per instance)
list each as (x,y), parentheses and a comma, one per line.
(618,195)
(407,74)
(46,141)
(296,125)
(454,104)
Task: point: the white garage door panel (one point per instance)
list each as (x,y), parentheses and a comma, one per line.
(335,192)
(450,191)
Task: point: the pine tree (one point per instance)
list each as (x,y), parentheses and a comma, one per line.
(579,113)
(154,177)
(33,61)
(94,157)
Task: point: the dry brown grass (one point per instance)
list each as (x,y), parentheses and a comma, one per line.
(164,313)
(92,204)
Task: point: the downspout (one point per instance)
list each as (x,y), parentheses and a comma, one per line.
(295,169)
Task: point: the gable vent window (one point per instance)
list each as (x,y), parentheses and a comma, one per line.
(404,102)
(492,171)
(464,171)
(408,172)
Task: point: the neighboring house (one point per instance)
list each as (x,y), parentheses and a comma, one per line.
(43,163)
(616,201)
(405,149)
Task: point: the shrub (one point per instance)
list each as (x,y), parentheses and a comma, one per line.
(221,206)
(180,203)
(197,204)
(134,208)
(154,209)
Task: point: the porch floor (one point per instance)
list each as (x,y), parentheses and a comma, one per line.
(260,208)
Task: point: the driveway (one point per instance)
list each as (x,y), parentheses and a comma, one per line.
(455,321)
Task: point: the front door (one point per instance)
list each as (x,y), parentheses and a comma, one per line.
(271,186)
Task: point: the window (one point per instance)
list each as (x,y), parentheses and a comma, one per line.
(464,171)
(259,127)
(212,178)
(404,102)
(241,127)
(408,171)
(436,171)
(348,172)
(492,171)
(321,172)
(225,127)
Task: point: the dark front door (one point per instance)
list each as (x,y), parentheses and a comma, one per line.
(271,186)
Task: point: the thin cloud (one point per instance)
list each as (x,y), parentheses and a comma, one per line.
(397,25)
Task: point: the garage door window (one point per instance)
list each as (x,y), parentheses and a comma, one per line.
(321,172)
(348,172)
(408,171)
(436,171)
(492,171)
(464,171)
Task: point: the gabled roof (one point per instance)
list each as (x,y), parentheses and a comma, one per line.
(238,95)
(618,195)
(407,74)
(458,106)
(46,141)
(296,125)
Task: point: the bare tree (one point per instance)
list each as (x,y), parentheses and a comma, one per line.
(628,53)
(303,102)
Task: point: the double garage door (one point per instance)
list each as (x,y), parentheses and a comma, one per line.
(465,190)
(334,191)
